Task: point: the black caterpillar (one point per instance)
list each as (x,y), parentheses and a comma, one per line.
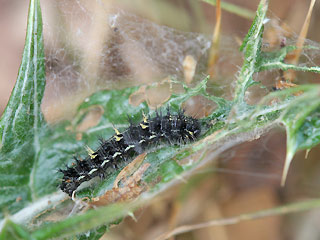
(136,139)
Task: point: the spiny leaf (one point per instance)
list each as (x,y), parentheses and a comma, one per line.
(22,120)
(302,124)
(251,47)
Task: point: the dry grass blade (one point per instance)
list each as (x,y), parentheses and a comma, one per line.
(213,55)
(294,57)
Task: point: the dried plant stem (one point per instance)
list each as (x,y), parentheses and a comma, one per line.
(290,208)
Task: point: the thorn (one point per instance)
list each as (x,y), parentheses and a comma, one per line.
(131,214)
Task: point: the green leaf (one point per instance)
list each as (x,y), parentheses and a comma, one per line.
(14,232)
(251,47)
(276,60)
(94,234)
(301,119)
(22,120)
(267,60)
(82,223)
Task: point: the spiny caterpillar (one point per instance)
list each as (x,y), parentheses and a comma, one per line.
(137,138)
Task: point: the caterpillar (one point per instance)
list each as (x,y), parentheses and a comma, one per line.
(124,146)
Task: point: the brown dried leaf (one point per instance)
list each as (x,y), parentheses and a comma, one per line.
(132,187)
(189,68)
